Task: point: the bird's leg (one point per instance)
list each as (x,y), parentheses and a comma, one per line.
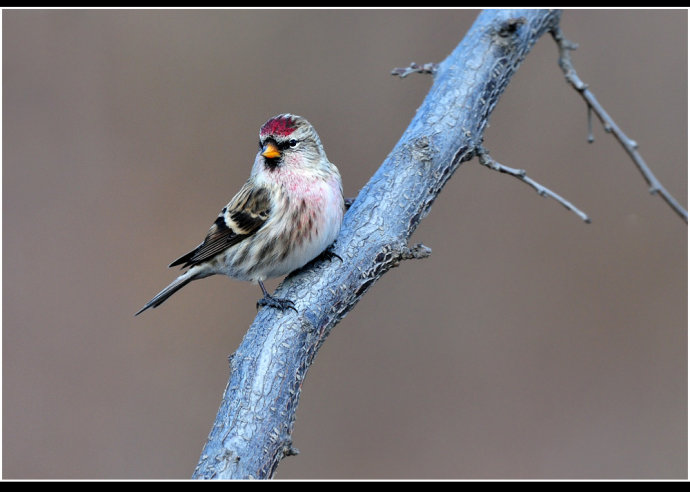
(274,302)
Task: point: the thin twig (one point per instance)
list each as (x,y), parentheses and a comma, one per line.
(521,174)
(415,68)
(610,126)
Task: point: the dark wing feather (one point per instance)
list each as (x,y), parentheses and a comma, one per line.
(243,216)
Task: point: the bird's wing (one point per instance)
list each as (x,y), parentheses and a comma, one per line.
(240,219)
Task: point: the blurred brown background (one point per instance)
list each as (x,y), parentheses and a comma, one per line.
(529,345)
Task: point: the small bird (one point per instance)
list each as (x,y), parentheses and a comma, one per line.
(287,213)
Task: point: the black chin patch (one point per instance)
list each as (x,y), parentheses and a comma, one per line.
(272,164)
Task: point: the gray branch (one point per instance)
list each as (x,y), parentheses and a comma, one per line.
(253,428)
(521,174)
(610,126)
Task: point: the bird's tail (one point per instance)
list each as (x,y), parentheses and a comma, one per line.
(176,285)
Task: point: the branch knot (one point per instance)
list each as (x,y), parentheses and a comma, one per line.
(510,26)
(416,252)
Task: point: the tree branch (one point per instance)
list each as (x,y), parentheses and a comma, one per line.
(610,126)
(253,427)
(414,68)
(521,174)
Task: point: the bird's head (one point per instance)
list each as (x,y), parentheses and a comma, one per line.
(290,140)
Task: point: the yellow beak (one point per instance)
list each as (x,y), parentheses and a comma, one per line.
(270,151)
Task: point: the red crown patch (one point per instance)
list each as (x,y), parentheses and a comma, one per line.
(281,125)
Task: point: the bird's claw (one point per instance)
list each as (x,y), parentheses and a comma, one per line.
(329,254)
(275,302)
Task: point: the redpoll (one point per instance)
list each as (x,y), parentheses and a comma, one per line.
(287,213)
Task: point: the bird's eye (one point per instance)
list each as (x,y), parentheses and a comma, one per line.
(292,142)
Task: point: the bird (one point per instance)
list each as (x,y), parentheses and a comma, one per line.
(286,214)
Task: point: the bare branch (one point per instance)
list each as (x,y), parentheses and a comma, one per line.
(521,174)
(610,126)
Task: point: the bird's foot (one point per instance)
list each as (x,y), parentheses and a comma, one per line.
(329,254)
(275,302)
